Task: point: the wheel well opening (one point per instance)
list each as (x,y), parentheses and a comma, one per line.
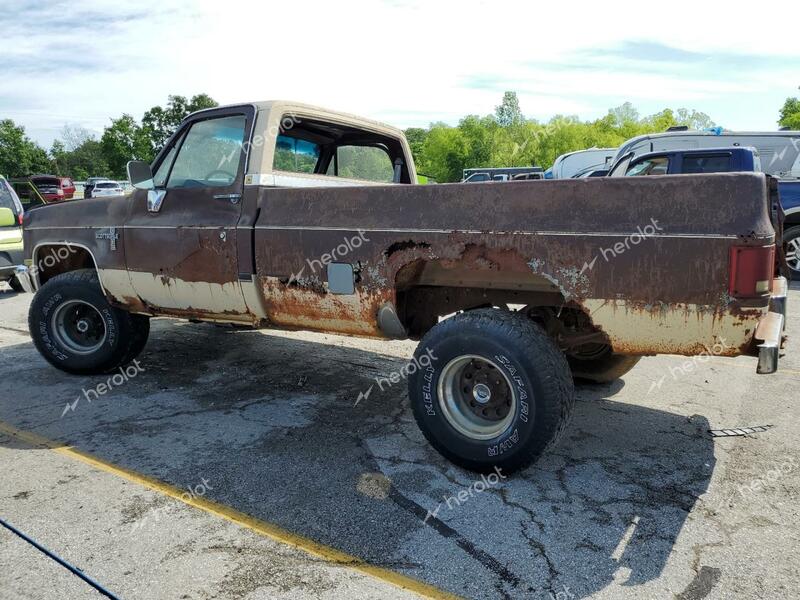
(55,259)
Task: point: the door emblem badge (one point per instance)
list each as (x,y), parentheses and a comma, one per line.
(108,234)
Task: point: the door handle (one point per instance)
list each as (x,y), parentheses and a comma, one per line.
(234,198)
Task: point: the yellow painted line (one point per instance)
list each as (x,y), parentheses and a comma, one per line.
(328,554)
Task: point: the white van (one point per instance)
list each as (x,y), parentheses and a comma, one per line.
(574,164)
(779,150)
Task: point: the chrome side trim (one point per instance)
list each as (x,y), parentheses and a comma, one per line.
(477,232)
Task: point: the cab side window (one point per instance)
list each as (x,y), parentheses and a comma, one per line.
(209,156)
(369,163)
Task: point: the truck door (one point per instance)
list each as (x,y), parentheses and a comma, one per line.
(180,239)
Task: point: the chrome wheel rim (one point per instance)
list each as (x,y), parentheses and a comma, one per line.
(476,397)
(793,254)
(79,327)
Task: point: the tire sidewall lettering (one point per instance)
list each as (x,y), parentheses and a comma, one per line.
(520,429)
(44,323)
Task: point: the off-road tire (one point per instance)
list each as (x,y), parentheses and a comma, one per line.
(603,370)
(16,285)
(141,333)
(530,361)
(123,335)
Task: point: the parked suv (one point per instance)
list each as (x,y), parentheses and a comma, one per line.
(53,188)
(88,187)
(10,234)
(107,188)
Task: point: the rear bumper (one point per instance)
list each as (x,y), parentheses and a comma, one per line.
(770,334)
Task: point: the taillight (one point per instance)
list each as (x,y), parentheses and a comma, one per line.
(19,218)
(752,270)
(59,192)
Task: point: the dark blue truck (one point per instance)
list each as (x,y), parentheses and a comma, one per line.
(722,160)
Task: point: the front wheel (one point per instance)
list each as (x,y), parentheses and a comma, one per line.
(75,329)
(490,390)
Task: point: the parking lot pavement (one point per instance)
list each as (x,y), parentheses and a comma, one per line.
(637,501)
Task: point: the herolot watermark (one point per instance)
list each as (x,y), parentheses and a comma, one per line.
(418,363)
(287,122)
(690,364)
(117,379)
(334,255)
(634,239)
(52,257)
(769,479)
(191,493)
(476,487)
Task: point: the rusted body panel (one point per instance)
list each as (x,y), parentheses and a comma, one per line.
(667,292)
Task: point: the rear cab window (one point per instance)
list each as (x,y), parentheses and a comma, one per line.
(362,162)
(319,148)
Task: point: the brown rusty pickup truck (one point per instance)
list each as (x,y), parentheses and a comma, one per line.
(282,215)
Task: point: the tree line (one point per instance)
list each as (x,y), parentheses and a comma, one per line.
(503,139)
(79,154)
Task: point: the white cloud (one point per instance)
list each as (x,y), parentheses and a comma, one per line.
(407,62)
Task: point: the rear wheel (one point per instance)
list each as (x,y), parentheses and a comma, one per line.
(598,363)
(76,329)
(490,390)
(791,245)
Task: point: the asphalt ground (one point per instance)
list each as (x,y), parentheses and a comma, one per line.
(237,464)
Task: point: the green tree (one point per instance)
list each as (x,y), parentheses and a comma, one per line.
(85,160)
(693,119)
(507,139)
(416,141)
(790,114)
(160,122)
(445,153)
(122,141)
(20,156)
(509,112)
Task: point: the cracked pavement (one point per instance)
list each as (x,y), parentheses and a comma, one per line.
(637,501)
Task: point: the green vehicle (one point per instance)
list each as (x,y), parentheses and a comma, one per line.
(10,235)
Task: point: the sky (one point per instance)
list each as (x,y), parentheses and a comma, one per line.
(405,62)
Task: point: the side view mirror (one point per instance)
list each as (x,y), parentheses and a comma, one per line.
(7,218)
(140,175)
